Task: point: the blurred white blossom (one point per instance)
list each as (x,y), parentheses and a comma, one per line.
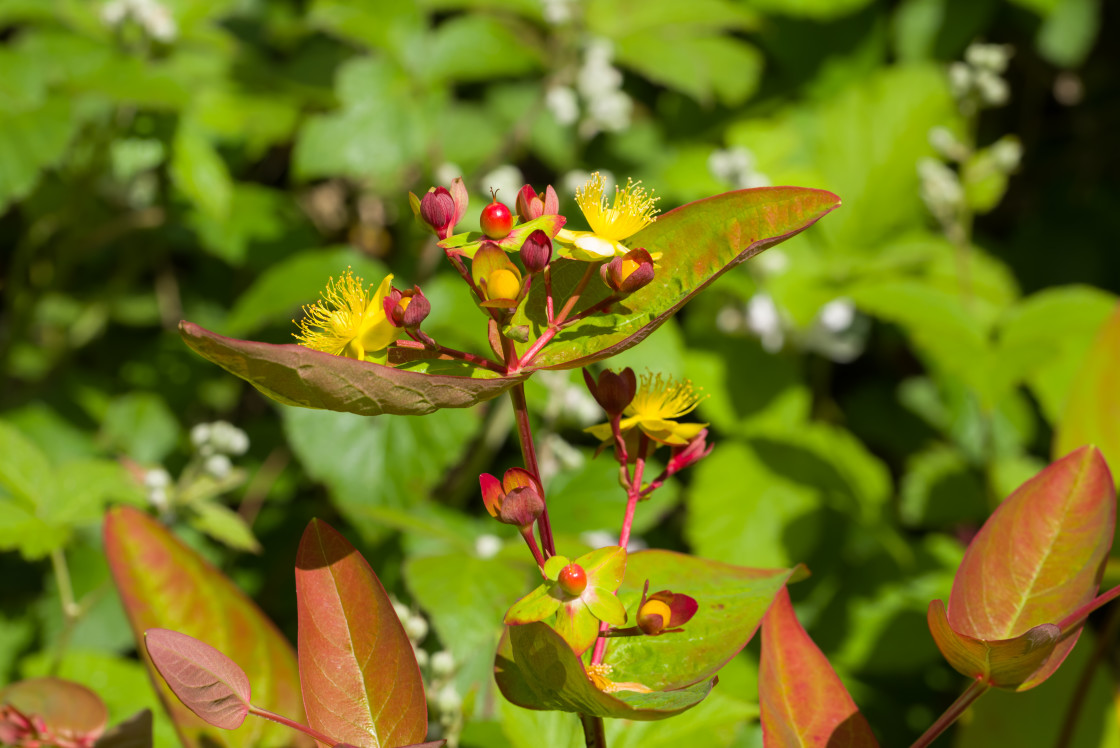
(737,166)
(152,16)
(506,180)
(487,546)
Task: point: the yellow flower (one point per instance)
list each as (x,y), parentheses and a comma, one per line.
(346,321)
(597,674)
(658,402)
(632,211)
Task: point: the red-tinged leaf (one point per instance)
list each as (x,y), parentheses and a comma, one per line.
(165,584)
(801,700)
(536,669)
(210,684)
(1038,558)
(295,375)
(69,709)
(360,679)
(1092,412)
(1006,663)
(134,732)
(698,242)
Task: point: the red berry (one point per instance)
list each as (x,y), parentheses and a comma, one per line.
(496,219)
(572,579)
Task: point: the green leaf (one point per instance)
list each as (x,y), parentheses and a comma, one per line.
(536,669)
(278,293)
(732,601)
(224,525)
(31,141)
(476,47)
(1069,31)
(1092,411)
(940,490)
(165,584)
(704,66)
(465,597)
(367,138)
(792,668)
(141,425)
(393,462)
(198,170)
(361,683)
(538,605)
(698,242)
(25,472)
(294,375)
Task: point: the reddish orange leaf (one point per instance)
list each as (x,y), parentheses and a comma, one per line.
(361,683)
(802,702)
(70,710)
(1092,412)
(1037,559)
(210,684)
(165,584)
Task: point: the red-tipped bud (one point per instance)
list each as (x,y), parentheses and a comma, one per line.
(531,206)
(613,391)
(572,580)
(442,209)
(406,308)
(516,500)
(536,252)
(690,454)
(664,610)
(627,273)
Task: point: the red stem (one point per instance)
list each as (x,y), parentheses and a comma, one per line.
(548,293)
(633,493)
(529,452)
(1079,615)
(431,345)
(561,320)
(324,739)
(527,533)
(574,298)
(975,690)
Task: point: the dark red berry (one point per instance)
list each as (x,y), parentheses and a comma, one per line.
(496,219)
(572,579)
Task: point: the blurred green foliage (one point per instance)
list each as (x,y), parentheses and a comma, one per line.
(875,386)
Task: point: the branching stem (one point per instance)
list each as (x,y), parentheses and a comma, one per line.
(529,452)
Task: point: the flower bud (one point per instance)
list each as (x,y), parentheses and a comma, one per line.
(690,454)
(521,507)
(406,308)
(515,500)
(664,610)
(530,206)
(442,209)
(629,272)
(497,277)
(653,617)
(536,252)
(613,391)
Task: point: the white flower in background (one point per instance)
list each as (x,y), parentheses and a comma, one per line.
(940,189)
(563,102)
(765,320)
(487,546)
(978,81)
(448,699)
(990,57)
(771,262)
(443,664)
(156,482)
(604,538)
(1007,152)
(447,171)
(557,12)
(945,142)
(599,84)
(507,180)
(737,166)
(152,16)
(839,332)
(218,466)
(837,315)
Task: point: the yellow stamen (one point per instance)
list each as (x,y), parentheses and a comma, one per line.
(665,399)
(346,321)
(632,211)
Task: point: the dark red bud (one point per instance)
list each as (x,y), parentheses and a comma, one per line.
(406,308)
(530,205)
(536,252)
(613,391)
(629,272)
(438,210)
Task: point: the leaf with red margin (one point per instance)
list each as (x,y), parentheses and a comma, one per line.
(295,375)
(801,700)
(1092,412)
(1037,559)
(361,683)
(165,584)
(698,242)
(69,709)
(210,684)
